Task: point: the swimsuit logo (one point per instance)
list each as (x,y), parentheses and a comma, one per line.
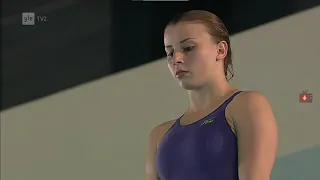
(209,121)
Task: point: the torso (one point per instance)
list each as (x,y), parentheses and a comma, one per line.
(204,150)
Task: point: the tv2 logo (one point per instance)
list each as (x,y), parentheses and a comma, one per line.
(305,97)
(29,18)
(42,18)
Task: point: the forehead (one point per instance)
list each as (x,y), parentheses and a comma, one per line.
(176,33)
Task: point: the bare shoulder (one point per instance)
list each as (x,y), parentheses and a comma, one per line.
(249,98)
(160,130)
(250,102)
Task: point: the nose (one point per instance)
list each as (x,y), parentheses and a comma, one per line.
(177,58)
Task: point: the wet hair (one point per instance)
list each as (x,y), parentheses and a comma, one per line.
(215,28)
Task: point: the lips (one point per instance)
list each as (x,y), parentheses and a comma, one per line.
(180,73)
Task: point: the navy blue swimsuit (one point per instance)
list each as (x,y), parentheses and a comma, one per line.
(204,150)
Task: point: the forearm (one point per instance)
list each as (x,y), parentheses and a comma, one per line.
(253,175)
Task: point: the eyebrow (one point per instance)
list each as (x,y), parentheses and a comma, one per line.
(169,46)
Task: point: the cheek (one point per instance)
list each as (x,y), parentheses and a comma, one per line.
(202,64)
(170,66)
(197,61)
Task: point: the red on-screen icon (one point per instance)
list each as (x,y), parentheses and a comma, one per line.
(305,97)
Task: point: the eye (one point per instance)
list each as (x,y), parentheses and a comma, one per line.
(169,54)
(188,49)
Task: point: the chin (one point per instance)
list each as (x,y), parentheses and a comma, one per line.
(188,85)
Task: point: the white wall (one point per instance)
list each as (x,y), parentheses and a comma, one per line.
(99,130)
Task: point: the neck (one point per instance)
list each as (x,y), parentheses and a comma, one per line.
(206,96)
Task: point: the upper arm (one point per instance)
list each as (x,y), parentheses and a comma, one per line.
(257,135)
(154,139)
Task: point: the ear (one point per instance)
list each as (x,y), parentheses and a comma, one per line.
(222,50)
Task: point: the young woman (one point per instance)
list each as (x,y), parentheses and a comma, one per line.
(225,134)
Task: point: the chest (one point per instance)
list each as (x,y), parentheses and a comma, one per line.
(201,149)
(205,140)
(197,152)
